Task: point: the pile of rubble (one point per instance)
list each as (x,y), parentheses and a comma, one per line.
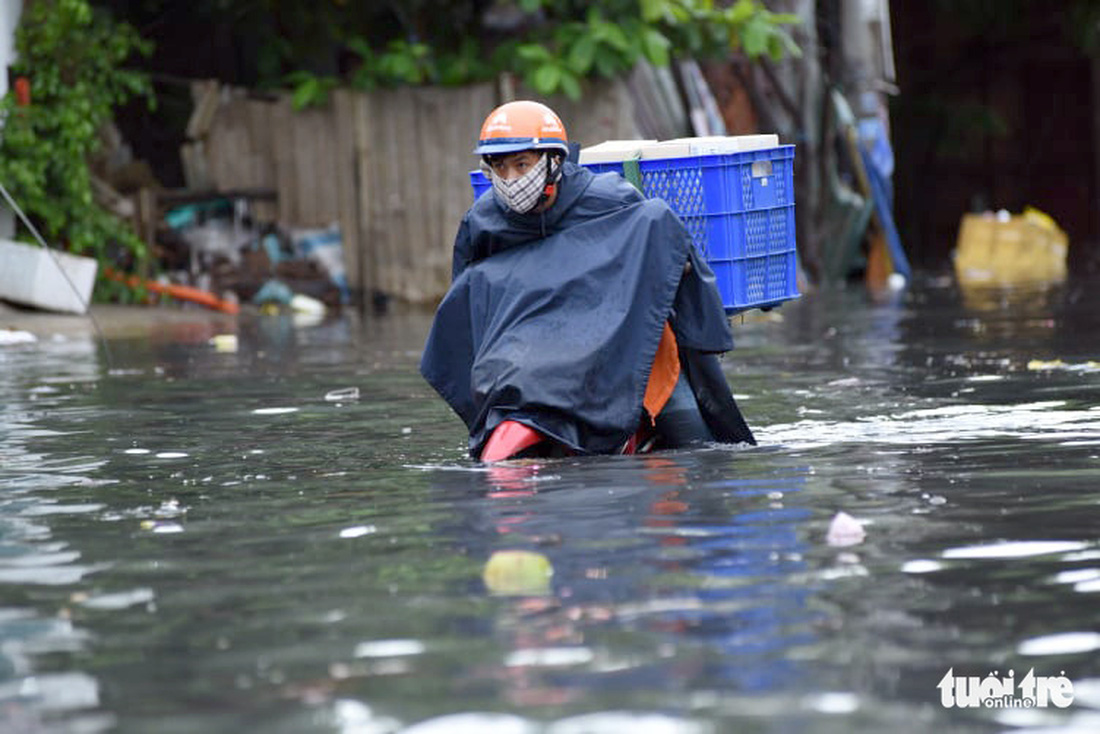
(211,241)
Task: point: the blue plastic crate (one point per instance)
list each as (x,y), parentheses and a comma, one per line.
(480,183)
(739,211)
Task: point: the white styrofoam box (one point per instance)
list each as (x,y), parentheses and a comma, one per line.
(710,144)
(729,143)
(612,151)
(45,279)
(666,149)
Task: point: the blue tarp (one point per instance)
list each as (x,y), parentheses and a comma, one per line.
(878,161)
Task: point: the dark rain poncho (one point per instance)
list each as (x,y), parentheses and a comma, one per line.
(554,319)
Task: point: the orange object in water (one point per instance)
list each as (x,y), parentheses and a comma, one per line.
(508,439)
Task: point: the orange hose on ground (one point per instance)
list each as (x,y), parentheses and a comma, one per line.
(182,292)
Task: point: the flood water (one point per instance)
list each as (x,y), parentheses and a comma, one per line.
(195,541)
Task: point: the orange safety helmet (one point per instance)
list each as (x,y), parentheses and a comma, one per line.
(521,125)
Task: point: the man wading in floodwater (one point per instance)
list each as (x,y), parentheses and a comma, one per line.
(578,309)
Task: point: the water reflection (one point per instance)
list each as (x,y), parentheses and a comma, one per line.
(1007,300)
(701,571)
(37,381)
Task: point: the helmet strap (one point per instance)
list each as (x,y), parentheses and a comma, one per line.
(553,174)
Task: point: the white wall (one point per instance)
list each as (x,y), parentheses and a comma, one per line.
(9,18)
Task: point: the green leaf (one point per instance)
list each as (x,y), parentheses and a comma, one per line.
(781,45)
(532,52)
(784,18)
(610,34)
(693,39)
(571,85)
(754,36)
(402,67)
(677,13)
(360,48)
(582,54)
(608,64)
(740,11)
(364,77)
(652,10)
(655,46)
(545,78)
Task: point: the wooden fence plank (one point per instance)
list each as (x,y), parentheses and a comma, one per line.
(343,110)
(261,164)
(374,174)
(304,161)
(326,199)
(418,187)
(364,190)
(282,143)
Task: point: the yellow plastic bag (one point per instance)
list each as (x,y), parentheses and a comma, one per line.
(1003,249)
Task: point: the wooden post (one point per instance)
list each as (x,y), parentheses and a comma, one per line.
(364,191)
(282,154)
(1095,69)
(344,162)
(148,214)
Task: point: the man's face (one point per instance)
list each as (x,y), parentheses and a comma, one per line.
(514,165)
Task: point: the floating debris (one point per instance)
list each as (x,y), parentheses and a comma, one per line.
(9,337)
(1041,365)
(117,600)
(306,305)
(389,648)
(161,526)
(518,573)
(921,565)
(358,531)
(549,657)
(273,411)
(344,394)
(845,530)
(225,343)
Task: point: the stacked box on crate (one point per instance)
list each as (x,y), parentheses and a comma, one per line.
(735,196)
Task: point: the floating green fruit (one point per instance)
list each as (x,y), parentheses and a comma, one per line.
(518,573)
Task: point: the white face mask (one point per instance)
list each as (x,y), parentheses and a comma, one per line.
(521,194)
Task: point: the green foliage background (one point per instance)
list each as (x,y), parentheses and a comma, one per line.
(551,44)
(73,56)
